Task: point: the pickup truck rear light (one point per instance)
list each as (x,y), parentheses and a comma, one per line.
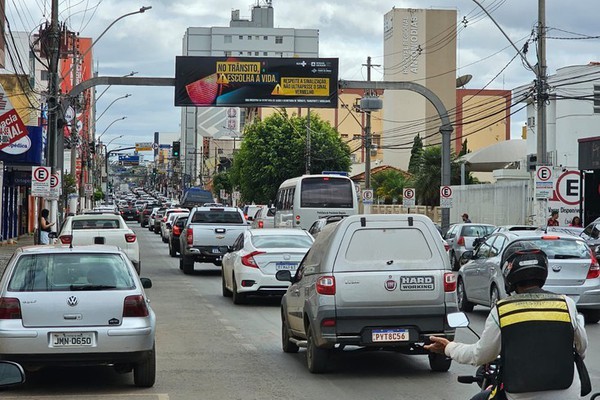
(249,261)
(326,285)
(449,282)
(66,239)
(594,271)
(130,237)
(176,231)
(135,306)
(190,236)
(461,241)
(10,308)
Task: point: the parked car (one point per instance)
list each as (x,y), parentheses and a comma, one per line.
(145,214)
(463,237)
(167,221)
(77,306)
(510,228)
(101,229)
(130,214)
(573,270)
(178,225)
(250,265)
(151,218)
(264,218)
(319,224)
(374,281)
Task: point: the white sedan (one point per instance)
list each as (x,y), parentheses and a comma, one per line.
(250,265)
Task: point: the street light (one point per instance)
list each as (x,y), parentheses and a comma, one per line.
(113,102)
(111,124)
(132,73)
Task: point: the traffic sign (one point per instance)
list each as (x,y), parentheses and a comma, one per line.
(88,189)
(544,182)
(40,181)
(145,146)
(55,181)
(367,196)
(408,197)
(445,197)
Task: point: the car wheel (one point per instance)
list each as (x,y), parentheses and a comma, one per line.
(226,292)
(439,362)
(316,357)
(144,373)
(494,296)
(187,264)
(238,298)
(591,316)
(463,303)
(181,262)
(172,251)
(454,262)
(286,344)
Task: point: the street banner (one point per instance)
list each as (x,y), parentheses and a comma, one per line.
(256,82)
(12,127)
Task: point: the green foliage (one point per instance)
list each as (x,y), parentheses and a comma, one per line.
(388,185)
(415,155)
(428,179)
(98,194)
(274,150)
(222,180)
(68,183)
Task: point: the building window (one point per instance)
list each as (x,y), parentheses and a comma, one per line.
(257,37)
(265,37)
(596,99)
(256,53)
(227,53)
(278,39)
(249,37)
(265,53)
(241,37)
(241,53)
(249,53)
(227,39)
(44,75)
(377,140)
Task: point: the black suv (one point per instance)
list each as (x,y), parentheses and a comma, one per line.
(130,214)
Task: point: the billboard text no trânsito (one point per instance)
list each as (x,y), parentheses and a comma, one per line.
(256,82)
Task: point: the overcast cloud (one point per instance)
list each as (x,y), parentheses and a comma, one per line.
(350,30)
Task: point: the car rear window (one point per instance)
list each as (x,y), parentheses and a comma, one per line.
(561,249)
(476,230)
(70,272)
(217,216)
(281,241)
(94,223)
(396,244)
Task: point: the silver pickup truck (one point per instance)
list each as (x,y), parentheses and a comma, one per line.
(208,233)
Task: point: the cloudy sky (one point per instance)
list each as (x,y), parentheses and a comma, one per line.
(350,30)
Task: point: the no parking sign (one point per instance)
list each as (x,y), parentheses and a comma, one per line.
(408,197)
(40,181)
(445,197)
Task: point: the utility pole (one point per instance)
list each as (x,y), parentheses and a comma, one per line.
(308,145)
(542,94)
(54,55)
(368,138)
(75,107)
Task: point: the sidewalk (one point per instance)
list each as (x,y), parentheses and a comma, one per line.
(7,250)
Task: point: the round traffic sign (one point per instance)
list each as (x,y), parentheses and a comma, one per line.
(40,174)
(53,181)
(544,173)
(446,192)
(409,194)
(367,194)
(567,188)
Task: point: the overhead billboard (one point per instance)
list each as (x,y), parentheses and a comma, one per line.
(256,82)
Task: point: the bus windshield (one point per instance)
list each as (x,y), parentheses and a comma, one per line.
(326,192)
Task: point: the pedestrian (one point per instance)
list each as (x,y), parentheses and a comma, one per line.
(465,218)
(576,222)
(532,330)
(45,226)
(553,220)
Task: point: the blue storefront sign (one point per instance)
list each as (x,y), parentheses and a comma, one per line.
(25,151)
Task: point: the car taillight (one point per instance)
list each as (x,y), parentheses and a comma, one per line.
(326,285)
(10,308)
(446,246)
(328,323)
(165,219)
(122,212)
(130,237)
(249,261)
(176,231)
(66,239)
(190,236)
(594,271)
(135,306)
(449,282)
(261,224)
(461,241)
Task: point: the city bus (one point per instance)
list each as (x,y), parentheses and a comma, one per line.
(304,199)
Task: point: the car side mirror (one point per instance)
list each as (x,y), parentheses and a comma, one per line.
(458,320)
(146,283)
(468,255)
(284,276)
(476,242)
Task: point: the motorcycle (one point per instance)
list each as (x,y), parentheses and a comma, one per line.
(486,375)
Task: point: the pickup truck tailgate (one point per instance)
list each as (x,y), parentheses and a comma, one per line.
(216,236)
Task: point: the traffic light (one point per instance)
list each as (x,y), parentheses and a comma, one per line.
(176,148)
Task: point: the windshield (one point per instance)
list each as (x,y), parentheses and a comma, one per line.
(96,223)
(282,241)
(326,192)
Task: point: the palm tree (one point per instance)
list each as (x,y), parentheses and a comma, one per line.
(388,185)
(428,178)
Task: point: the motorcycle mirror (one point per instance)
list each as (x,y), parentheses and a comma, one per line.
(458,320)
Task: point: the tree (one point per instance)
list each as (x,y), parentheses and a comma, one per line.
(415,155)
(429,177)
(274,150)
(222,180)
(388,185)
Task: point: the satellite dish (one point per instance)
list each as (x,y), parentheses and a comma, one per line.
(461,81)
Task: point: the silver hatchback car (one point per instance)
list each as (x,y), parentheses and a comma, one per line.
(573,270)
(77,307)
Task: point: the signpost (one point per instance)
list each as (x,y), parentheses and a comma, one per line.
(55,184)
(367,196)
(544,182)
(88,189)
(445,197)
(408,197)
(40,181)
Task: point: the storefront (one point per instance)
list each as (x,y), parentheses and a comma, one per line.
(589,165)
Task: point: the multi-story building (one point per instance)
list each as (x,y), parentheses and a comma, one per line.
(254,37)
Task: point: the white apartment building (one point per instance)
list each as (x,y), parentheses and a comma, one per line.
(254,37)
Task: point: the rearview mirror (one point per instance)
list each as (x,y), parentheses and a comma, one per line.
(146,283)
(468,255)
(284,276)
(11,374)
(458,320)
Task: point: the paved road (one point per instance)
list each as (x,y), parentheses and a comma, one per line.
(207,348)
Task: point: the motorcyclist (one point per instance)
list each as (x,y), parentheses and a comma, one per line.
(534,331)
